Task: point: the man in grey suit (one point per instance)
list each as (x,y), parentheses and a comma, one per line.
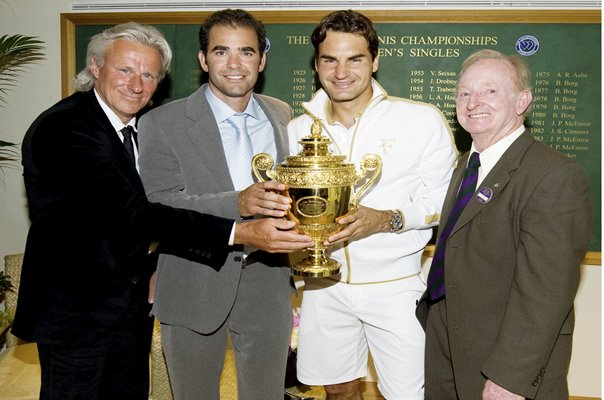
(189,158)
(501,317)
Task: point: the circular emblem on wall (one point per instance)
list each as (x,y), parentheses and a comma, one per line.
(527,45)
(268,45)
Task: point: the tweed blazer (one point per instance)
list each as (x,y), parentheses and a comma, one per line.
(512,272)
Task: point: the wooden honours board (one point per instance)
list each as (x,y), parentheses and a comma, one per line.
(420,56)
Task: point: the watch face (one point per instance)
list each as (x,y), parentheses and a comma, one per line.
(397,222)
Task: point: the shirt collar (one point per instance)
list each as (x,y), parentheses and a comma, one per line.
(491,155)
(223,111)
(116,122)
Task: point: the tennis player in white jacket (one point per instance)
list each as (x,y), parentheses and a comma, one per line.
(371,304)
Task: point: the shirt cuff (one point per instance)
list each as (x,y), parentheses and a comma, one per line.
(232,237)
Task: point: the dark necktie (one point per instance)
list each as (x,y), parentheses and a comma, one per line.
(129,135)
(436,278)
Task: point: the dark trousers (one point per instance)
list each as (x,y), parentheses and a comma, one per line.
(439,376)
(114,368)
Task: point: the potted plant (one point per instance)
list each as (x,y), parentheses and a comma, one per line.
(5,286)
(16,53)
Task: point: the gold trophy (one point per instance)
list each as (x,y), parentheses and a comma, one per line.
(320,185)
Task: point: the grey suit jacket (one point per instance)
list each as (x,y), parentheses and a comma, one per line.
(182,163)
(512,272)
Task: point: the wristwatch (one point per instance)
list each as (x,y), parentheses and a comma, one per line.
(397,222)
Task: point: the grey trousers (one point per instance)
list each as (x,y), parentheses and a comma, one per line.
(259,326)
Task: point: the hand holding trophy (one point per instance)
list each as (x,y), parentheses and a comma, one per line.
(321,187)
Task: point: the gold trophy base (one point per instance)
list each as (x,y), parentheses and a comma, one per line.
(316,267)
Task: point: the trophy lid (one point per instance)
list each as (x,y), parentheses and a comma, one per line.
(315,150)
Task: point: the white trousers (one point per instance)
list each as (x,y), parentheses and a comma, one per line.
(340,323)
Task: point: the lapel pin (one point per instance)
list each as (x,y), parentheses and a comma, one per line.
(496,185)
(484,195)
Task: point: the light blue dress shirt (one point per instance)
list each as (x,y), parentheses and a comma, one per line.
(258,126)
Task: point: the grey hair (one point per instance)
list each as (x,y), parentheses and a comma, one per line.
(522,73)
(131,31)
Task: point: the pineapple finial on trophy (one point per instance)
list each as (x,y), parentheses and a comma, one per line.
(316,129)
(316,144)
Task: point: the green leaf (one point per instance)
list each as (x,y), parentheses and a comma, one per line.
(16,53)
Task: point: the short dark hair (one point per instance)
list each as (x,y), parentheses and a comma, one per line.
(346,21)
(233,18)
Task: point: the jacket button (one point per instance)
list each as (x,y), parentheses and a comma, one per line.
(237,258)
(134,280)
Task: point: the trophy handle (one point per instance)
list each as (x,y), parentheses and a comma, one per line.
(263,162)
(369,162)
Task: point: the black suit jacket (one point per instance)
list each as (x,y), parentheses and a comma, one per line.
(91,226)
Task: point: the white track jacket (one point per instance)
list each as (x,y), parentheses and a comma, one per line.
(418,154)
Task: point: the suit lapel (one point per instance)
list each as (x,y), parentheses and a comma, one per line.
(109,133)
(204,135)
(101,118)
(456,179)
(496,181)
(279,123)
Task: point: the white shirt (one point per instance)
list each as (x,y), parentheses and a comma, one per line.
(118,125)
(491,155)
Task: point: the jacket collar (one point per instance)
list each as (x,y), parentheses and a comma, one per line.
(494,183)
